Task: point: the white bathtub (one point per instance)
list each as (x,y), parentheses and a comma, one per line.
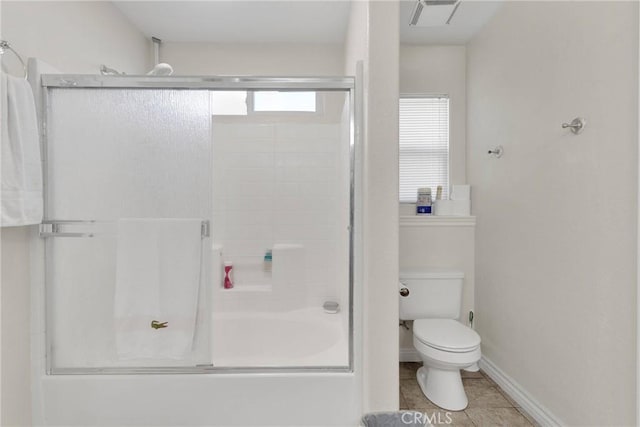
(307,337)
(304,337)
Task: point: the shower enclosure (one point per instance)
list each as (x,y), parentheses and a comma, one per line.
(155,187)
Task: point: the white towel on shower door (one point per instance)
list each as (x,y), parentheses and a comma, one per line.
(157,279)
(21,180)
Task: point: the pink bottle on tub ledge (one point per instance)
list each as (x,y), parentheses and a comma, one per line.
(228,275)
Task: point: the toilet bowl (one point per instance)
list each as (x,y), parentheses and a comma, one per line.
(445,347)
(432,298)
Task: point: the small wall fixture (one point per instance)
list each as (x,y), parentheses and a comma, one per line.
(436,12)
(497,152)
(577,125)
(331,307)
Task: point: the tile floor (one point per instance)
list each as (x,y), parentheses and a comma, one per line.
(488,406)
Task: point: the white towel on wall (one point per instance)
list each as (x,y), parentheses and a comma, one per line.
(157,279)
(21,167)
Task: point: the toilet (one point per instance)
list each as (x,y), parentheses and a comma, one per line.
(432,299)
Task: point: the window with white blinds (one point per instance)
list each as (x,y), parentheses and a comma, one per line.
(424,146)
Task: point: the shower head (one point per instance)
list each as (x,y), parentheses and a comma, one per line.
(161,69)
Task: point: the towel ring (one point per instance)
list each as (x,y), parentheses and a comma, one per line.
(5,46)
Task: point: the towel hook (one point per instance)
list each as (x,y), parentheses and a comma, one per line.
(496,152)
(577,125)
(5,46)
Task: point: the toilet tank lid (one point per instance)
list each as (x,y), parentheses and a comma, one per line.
(431,273)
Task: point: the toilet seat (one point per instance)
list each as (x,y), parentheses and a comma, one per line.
(446,335)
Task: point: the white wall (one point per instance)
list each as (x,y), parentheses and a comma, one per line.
(379,51)
(253,59)
(356,52)
(441,70)
(16,334)
(556,233)
(74,37)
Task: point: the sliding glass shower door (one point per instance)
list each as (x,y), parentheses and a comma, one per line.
(115,157)
(198,225)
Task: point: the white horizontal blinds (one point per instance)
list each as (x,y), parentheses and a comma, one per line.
(424,146)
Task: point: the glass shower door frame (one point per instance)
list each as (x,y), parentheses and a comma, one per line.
(49,226)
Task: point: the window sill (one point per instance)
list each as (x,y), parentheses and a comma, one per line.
(437,221)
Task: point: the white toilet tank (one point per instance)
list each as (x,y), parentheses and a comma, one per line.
(432,294)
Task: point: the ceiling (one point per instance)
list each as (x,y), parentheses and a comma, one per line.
(240,21)
(292,21)
(468,19)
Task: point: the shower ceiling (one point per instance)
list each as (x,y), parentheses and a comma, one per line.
(293,21)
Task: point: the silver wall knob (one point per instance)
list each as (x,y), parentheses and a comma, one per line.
(577,125)
(404,292)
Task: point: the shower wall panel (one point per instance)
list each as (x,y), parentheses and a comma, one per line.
(281,184)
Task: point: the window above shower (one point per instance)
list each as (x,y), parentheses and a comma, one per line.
(243,103)
(284,101)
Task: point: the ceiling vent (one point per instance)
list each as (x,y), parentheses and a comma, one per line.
(433,13)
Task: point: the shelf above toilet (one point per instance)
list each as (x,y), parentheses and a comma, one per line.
(437,221)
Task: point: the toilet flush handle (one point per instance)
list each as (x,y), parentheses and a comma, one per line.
(404,292)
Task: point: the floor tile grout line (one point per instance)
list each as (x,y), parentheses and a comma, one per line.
(472,423)
(508,398)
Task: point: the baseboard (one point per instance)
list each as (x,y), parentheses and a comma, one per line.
(409,355)
(530,405)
